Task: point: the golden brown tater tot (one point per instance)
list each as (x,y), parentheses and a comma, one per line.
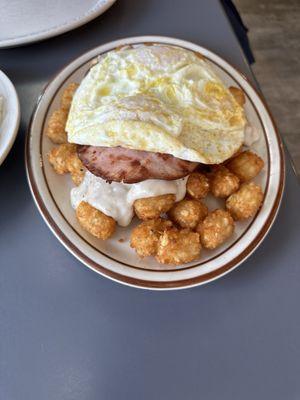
(56,127)
(223,182)
(76,168)
(153,207)
(246,165)
(178,246)
(144,238)
(67,96)
(197,185)
(94,221)
(187,213)
(58,157)
(238,94)
(245,202)
(215,228)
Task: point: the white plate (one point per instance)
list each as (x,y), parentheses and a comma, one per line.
(114,258)
(10,120)
(29,21)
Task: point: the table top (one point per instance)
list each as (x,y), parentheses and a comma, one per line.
(68,333)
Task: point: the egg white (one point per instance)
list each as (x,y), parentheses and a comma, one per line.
(157,98)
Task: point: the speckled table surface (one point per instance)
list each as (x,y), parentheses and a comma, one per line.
(68,333)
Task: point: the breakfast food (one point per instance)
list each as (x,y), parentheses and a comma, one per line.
(67,97)
(75,168)
(197,185)
(178,246)
(160,99)
(215,228)
(56,126)
(187,213)
(152,132)
(95,221)
(145,237)
(246,165)
(223,182)
(153,207)
(64,159)
(58,157)
(245,202)
(119,164)
(238,94)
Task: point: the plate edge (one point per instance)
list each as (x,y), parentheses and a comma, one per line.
(163,285)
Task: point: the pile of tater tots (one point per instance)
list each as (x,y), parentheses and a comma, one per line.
(172,232)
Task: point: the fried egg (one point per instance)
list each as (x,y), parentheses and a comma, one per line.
(157,98)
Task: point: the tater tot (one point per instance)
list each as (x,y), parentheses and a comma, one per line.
(246,165)
(223,182)
(58,157)
(187,213)
(238,94)
(94,221)
(56,127)
(245,202)
(153,207)
(178,247)
(76,168)
(144,238)
(67,96)
(197,185)
(215,228)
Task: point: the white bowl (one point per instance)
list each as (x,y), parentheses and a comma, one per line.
(10,120)
(114,258)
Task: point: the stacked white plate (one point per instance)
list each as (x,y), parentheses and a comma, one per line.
(29,21)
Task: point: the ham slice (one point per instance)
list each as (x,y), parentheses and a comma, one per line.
(119,164)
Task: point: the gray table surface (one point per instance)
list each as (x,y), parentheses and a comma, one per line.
(68,333)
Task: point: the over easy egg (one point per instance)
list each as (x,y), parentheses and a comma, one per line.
(157,98)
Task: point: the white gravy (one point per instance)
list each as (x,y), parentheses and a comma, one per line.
(116,199)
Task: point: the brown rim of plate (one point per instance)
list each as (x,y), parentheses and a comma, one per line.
(147,283)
